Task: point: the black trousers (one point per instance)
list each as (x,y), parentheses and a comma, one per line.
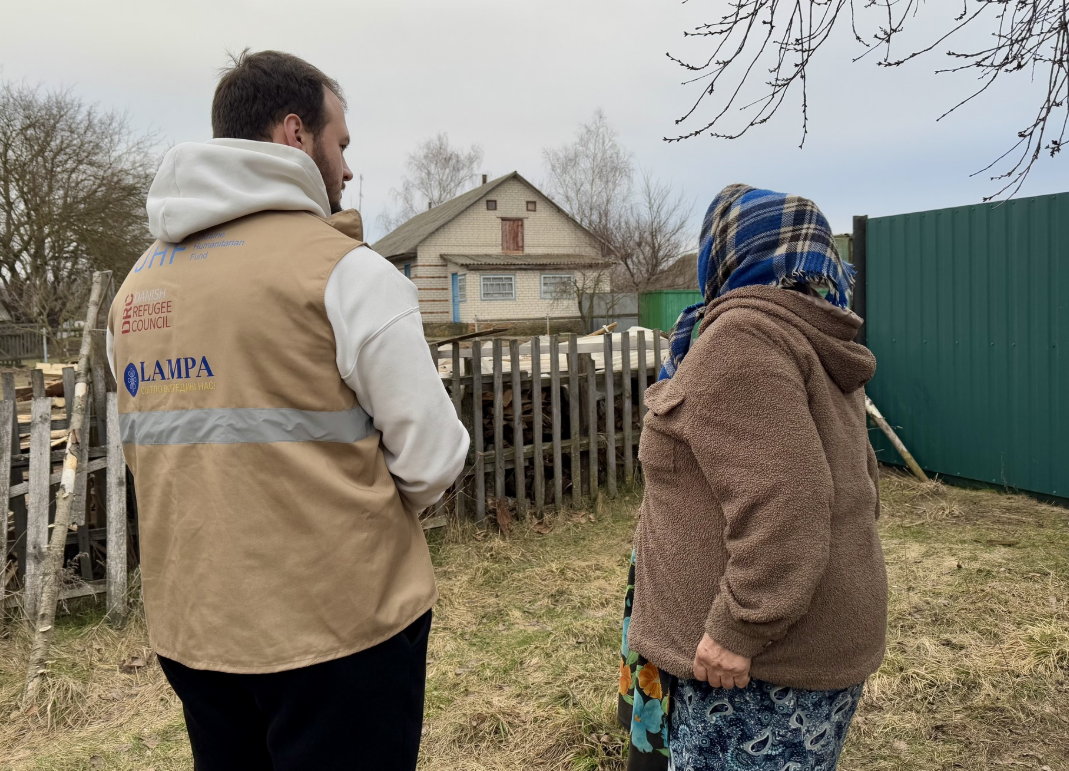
(364,711)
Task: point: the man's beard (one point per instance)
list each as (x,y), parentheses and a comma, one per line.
(326,172)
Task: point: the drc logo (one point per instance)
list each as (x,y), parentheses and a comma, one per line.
(131,379)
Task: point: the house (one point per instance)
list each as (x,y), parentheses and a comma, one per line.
(502,252)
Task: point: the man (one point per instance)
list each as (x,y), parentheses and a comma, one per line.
(285,425)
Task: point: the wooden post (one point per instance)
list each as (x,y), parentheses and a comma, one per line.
(458,391)
(643,373)
(37,503)
(52,570)
(538,463)
(658,357)
(517,428)
(116,515)
(907,456)
(37,382)
(575,420)
(100,369)
(625,385)
(6,408)
(610,417)
(477,430)
(499,422)
(18,505)
(433,347)
(69,379)
(592,421)
(555,413)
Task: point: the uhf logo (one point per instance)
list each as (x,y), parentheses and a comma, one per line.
(127,311)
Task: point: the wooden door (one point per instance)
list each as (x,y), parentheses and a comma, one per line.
(512,236)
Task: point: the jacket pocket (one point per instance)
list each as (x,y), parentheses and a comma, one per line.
(659,447)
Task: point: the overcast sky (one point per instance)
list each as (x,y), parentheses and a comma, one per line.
(517,76)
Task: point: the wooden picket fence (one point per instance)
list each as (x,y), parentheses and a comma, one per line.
(97,547)
(552,420)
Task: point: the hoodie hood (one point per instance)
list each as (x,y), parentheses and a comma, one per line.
(830,330)
(201,185)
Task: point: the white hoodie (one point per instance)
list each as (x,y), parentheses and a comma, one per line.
(373,309)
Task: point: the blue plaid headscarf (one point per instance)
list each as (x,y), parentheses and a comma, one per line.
(756,237)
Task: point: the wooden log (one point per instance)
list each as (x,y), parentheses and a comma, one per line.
(592,421)
(889,432)
(116,516)
(37,383)
(477,430)
(81,484)
(6,407)
(517,427)
(53,569)
(555,417)
(37,502)
(625,387)
(575,420)
(499,421)
(458,391)
(643,373)
(538,462)
(610,418)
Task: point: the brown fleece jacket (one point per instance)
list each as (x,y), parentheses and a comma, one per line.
(758,524)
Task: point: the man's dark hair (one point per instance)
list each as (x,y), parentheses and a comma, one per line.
(259,89)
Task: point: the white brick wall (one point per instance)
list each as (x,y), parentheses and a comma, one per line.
(478,231)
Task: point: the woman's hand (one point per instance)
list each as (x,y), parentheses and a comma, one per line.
(720,667)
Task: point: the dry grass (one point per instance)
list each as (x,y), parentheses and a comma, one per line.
(522,669)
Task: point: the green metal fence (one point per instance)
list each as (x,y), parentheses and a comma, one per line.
(968,315)
(660,309)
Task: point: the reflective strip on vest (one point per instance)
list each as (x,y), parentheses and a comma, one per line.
(244,426)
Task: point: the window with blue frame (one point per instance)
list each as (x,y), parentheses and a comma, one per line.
(408,270)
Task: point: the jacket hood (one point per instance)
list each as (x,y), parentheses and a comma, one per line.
(203,184)
(830,330)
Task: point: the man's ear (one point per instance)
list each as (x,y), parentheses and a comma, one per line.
(290,131)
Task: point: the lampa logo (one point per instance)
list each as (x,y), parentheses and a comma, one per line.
(166,370)
(131,379)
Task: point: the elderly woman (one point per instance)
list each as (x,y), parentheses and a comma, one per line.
(758,598)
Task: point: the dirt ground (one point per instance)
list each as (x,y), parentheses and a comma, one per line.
(523,667)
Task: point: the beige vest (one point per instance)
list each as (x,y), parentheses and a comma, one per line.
(272,534)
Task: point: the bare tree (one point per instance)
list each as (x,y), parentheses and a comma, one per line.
(437,172)
(591,177)
(73,181)
(758,36)
(641,228)
(650,232)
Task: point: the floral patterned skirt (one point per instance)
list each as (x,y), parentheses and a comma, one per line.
(762,727)
(644,703)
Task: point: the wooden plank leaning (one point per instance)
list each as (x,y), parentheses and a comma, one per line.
(6,408)
(98,356)
(499,422)
(69,380)
(610,418)
(555,415)
(458,391)
(575,420)
(116,515)
(37,503)
(53,567)
(625,388)
(477,430)
(519,463)
(592,422)
(538,462)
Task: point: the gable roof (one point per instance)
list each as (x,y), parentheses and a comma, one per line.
(404,239)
